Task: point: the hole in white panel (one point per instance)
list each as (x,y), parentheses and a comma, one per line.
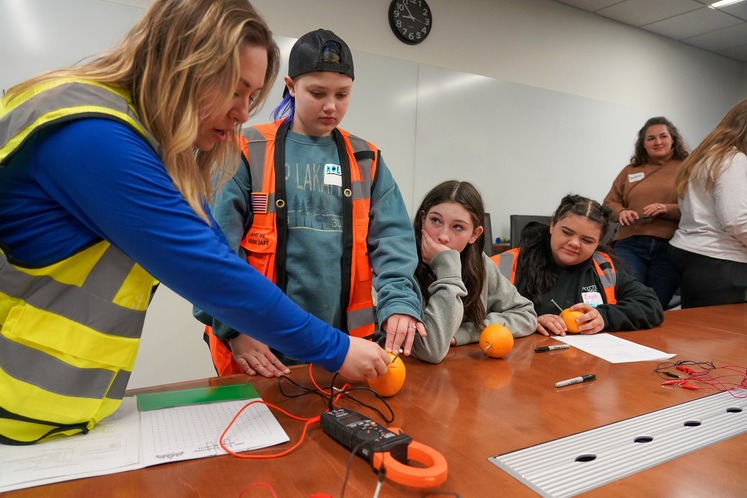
(644,439)
(586,458)
(734,409)
(692,423)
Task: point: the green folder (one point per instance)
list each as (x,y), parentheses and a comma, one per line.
(167,399)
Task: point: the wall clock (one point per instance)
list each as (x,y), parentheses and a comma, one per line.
(410,20)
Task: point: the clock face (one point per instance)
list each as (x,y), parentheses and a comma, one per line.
(411,20)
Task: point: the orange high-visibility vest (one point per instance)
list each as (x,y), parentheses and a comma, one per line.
(507,261)
(265,241)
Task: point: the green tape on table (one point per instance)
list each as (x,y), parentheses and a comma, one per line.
(167,399)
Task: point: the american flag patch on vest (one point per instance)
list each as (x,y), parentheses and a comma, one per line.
(259,202)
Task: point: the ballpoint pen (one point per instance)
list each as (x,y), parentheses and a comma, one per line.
(576,380)
(542,349)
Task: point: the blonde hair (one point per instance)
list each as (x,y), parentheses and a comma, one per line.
(728,138)
(181,58)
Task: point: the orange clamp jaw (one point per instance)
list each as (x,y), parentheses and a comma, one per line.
(432,474)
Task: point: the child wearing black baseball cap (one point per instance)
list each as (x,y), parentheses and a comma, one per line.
(328,222)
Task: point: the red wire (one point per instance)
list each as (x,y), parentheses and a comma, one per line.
(259,484)
(309,421)
(707,379)
(331,393)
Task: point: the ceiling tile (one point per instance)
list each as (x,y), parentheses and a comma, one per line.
(590,5)
(721,31)
(738,53)
(642,12)
(733,36)
(738,10)
(693,23)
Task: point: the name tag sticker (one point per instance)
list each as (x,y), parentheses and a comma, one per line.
(592,298)
(333,175)
(636,177)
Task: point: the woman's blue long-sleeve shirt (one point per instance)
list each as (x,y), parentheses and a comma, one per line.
(96,179)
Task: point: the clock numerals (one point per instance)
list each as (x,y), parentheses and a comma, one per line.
(410,20)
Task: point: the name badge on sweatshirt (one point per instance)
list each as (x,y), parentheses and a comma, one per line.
(636,177)
(333,175)
(592,298)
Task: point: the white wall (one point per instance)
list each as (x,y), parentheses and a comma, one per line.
(565,93)
(539,45)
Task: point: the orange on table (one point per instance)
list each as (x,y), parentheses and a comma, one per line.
(496,340)
(391,382)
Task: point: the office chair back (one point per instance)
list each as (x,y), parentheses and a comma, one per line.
(487,235)
(519,221)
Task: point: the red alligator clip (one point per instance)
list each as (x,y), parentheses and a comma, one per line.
(685,369)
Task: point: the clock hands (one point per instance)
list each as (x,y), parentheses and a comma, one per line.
(409,16)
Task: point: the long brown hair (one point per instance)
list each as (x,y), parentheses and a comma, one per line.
(729,137)
(181,58)
(473,268)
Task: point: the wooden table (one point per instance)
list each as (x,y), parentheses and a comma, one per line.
(469,408)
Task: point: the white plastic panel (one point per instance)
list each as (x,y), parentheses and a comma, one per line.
(575,464)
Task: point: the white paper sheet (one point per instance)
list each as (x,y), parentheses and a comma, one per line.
(112,446)
(613,349)
(193,431)
(129,440)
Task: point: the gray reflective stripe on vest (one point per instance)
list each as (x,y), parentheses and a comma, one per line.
(77,303)
(63,97)
(257,146)
(119,385)
(361,318)
(362,189)
(54,375)
(608,278)
(112,268)
(506,264)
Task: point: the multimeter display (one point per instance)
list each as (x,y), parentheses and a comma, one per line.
(350,429)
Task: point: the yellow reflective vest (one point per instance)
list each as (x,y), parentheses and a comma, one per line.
(70,330)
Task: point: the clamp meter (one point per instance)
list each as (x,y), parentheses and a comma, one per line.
(352,429)
(386,447)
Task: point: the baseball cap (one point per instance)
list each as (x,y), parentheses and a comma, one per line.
(308,54)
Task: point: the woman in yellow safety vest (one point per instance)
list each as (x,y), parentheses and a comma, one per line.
(105,174)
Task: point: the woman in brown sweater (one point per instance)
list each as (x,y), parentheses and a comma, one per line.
(644,202)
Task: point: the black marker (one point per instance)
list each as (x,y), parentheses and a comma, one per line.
(576,380)
(543,349)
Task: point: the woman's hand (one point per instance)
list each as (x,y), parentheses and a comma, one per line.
(429,247)
(628,217)
(655,209)
(256,358)
(365,360)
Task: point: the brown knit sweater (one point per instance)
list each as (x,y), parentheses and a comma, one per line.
(656,185)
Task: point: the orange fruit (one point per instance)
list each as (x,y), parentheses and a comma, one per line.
(569,317)
(496,341)
(391,382)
